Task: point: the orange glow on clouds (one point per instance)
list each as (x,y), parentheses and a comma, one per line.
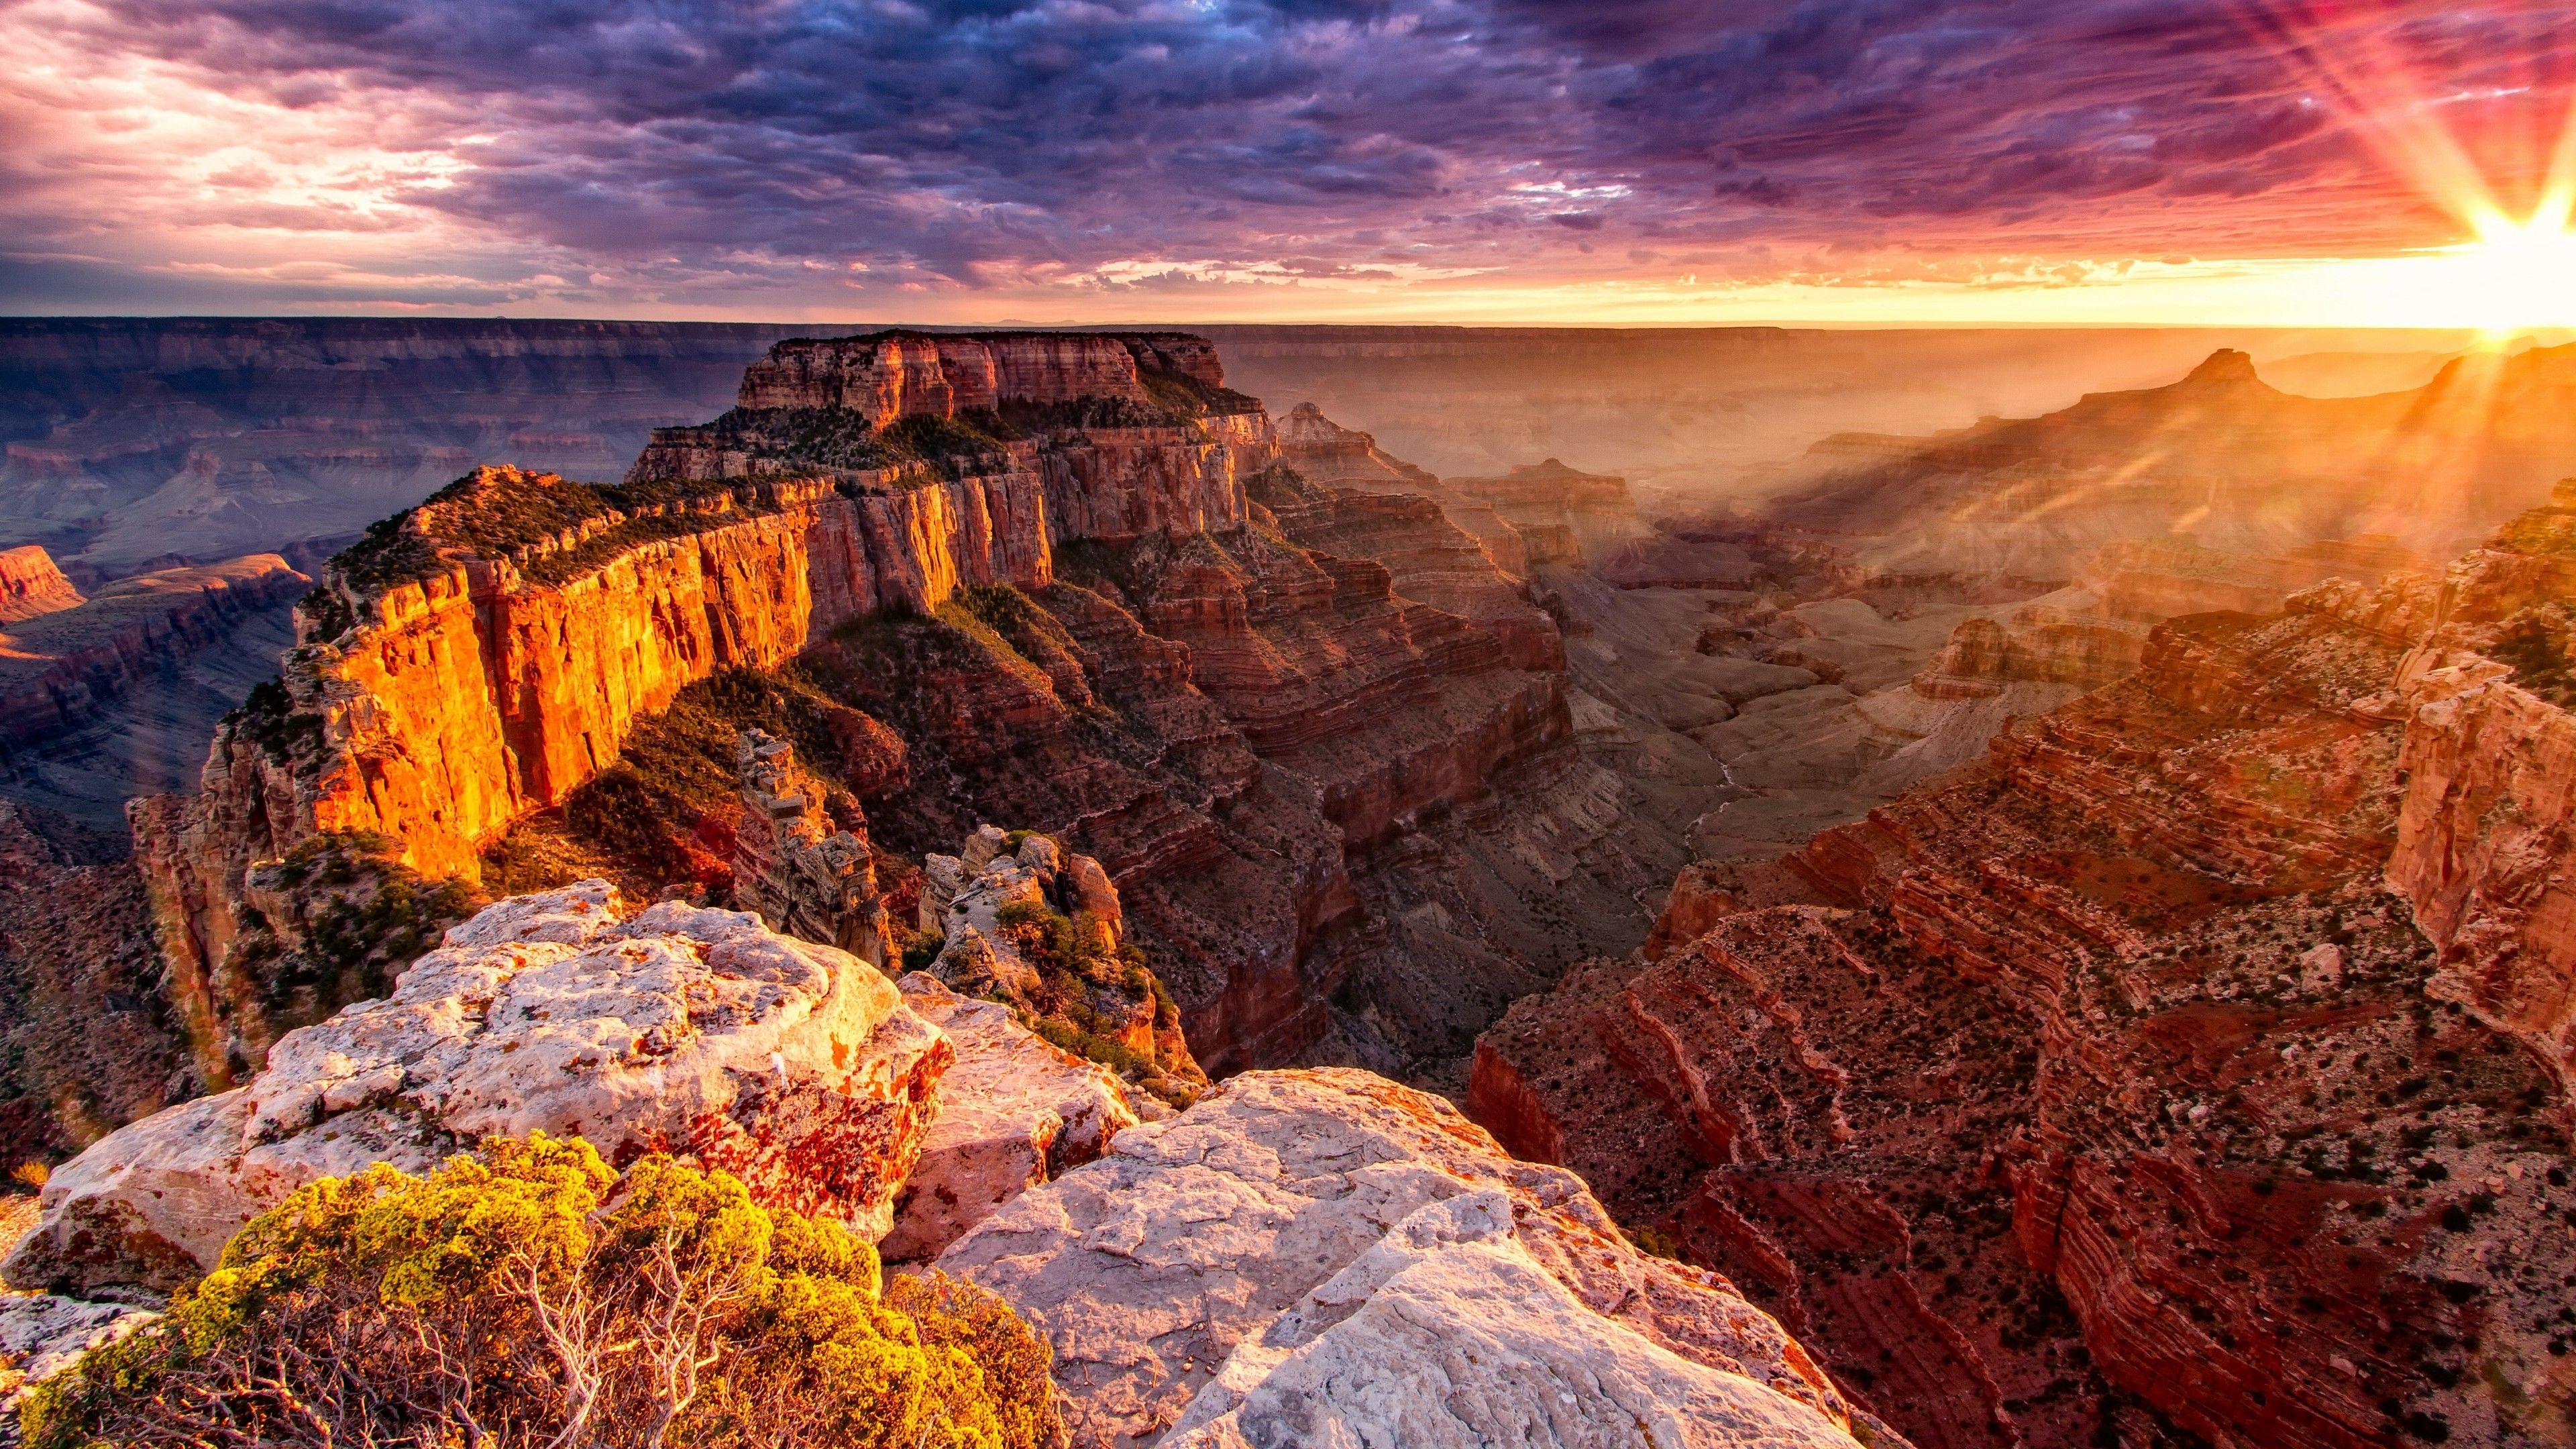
(324,193)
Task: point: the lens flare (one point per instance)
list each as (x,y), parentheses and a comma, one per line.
(2502,167)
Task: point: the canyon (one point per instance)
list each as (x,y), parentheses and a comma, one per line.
(1061,579)
(2104,984)
(2193,1063)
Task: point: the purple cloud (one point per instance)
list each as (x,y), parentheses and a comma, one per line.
(653,148)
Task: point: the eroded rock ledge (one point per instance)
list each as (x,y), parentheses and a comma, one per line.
(1322,1256)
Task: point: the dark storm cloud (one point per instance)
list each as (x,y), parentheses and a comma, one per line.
(980,140)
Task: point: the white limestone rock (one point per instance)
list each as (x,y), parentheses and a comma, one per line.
(1447,1334)
(1014,1111)
(1239,1242)
(793,1065)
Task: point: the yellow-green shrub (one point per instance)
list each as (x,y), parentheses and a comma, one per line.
(530,1296)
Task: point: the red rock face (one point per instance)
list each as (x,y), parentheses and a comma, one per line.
(31,585)
(2104,1090)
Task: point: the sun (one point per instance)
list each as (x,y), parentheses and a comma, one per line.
(2516,276)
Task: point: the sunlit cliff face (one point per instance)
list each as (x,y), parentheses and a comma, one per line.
(2235,161)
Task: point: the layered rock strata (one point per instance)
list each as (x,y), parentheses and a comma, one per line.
(2039,644)
(1320,1256)
(792,1065)
(484,655)
(65,662)
(1564,515)
(30,585)
(2191,1064)
(1331,456)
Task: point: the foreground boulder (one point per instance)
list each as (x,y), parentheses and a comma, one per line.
(1325,1257)
(792,1065)
(1015,1111)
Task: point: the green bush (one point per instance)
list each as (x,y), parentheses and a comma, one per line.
(530,1296)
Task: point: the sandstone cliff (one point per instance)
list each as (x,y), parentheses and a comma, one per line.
(481,657)
(2192,1062)
(30,585)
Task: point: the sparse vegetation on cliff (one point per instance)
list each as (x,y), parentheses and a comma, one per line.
(497,513)
(268,718)
(663,813)
(528,1295)
(333,920)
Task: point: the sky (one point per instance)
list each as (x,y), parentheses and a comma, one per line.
(2378,162)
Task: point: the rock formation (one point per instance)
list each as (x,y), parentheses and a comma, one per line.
(1270,726)
(2191,1062)
(795,865)
(484,655)
(1429,556)
(30,585)
(1323,1256)
(1331,456)
(1015,1111)
(2043,643)
(59,665)
(1018,919)
(1564,515)
(792,1065)
(42,1334)
(1301,1255)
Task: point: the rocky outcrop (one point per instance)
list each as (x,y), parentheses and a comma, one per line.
(60,665)
(2105,1087)
(2046,645)
(1320,1253)
(795,865)
(794,1066)
(1019,919)
(30,585)
(1015,1111)
(1564,515)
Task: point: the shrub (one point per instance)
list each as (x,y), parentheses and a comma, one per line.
(529,1296)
